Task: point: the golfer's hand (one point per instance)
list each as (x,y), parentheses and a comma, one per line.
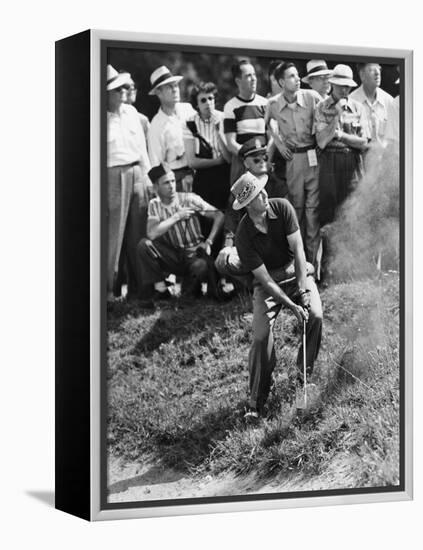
(300,313)
(185,213)
(305,300)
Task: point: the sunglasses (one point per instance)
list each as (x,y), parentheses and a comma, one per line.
(259,158)
(204,99)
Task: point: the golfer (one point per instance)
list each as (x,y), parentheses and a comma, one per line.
(269,245)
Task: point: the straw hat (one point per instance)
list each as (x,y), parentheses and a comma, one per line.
(316,67)
(246,189)
(115,79)
(342,76)
(160,77)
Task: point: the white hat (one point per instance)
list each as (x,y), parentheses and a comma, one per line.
(162,76)
(246,188)
(115,79)
(316,67)
(342,76)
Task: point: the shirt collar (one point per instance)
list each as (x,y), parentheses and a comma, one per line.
(283,102)
(253,229)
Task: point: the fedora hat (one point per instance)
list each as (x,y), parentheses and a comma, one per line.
(115,79)
(162,76)
(246,188)
(316,67)
(342,76)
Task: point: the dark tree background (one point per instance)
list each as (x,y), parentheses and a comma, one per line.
(197,66)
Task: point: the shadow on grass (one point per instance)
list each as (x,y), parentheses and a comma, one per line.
(186,319)
(184,449)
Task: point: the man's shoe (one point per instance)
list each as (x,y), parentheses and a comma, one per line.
(252,415)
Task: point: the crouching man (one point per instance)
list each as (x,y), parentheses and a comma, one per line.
(174,242)
(269,244)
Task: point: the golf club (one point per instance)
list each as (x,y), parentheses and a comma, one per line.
(304,363)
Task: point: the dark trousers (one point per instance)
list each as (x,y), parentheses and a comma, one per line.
(340,171)
(157,259)
(262,357)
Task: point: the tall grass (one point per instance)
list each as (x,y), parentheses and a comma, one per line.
(178,387)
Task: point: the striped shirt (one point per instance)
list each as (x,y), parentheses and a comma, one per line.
(185,233)
(208,129)
(245,118)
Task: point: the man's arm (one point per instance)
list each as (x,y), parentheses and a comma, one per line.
(274,134)
(217,218)
(325,132)
(155,150)
(232,144)
(266,281)
(196,162)
(157,228)
(353,141)
(296,245)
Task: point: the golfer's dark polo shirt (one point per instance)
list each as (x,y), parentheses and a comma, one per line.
(271,249)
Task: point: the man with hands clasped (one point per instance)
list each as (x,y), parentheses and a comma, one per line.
(270,246)
(342,135)
(174,242)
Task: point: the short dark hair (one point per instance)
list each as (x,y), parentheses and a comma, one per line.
(272,67)
(280,69)
(236,67)
(202,88)
(361,66)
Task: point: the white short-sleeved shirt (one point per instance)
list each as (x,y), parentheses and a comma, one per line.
(392,124)
(376,113)
(165,136)
(126,139)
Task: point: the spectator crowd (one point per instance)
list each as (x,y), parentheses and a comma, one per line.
(176,184)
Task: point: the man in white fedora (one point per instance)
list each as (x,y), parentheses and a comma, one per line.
(127,183)
(317,77)
(165,137)
(376,102)
(269,244)
(342,135)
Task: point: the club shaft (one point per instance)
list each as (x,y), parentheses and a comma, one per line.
(305,362)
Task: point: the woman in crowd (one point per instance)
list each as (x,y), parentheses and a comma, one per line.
(205,147)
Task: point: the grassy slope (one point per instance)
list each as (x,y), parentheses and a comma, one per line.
(178,386)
